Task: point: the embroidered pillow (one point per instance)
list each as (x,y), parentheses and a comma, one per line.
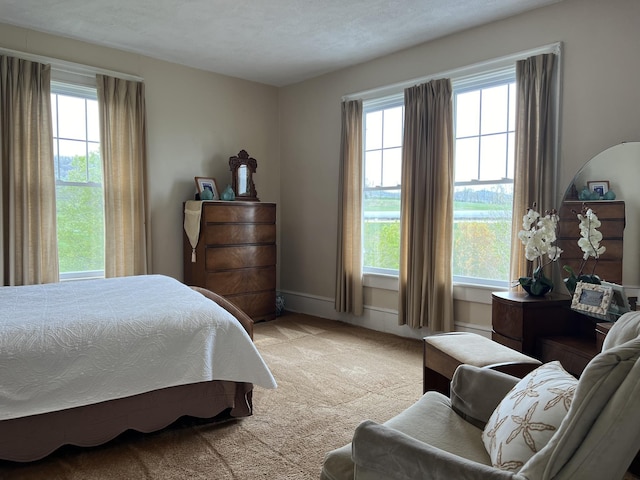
(528,416)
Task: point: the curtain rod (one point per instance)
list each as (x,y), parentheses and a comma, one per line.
(457,72)
(69,67)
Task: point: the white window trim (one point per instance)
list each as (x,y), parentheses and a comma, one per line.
(70,72)
(459,74)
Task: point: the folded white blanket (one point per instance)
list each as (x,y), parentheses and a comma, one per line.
(76,343)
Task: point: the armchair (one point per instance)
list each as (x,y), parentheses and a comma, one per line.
(442,438)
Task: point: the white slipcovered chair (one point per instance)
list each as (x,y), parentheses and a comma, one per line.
(442,438)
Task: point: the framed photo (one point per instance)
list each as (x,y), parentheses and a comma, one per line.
(204,183)
(592,299)
(600,187)
(619,301)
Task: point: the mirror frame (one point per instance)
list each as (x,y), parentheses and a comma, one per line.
(250,166)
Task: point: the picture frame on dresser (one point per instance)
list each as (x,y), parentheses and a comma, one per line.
(600,187)
(619,301)
(592,299)
(205,183)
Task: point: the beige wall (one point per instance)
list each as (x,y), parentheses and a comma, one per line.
(600,108)
(196,121)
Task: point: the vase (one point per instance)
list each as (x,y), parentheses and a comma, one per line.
(536,286)
(228,194)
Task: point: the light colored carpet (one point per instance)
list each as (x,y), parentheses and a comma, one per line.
(330,376)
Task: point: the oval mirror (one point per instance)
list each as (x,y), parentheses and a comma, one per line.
(620,167)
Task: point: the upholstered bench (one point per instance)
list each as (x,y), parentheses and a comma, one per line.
(443,353)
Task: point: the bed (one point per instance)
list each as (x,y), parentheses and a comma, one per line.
(83,361)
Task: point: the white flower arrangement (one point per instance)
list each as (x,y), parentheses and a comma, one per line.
(589,243)
(538,237)
(590,238)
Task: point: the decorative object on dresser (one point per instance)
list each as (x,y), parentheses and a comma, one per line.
(242,168)
(539,239)
(611,217)
(207,188)
(235,255)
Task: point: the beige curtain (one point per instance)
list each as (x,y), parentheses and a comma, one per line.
(124,156)
(349,259)
(27,182)
(535,169)
(425,294)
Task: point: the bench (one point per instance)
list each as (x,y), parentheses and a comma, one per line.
(444,352)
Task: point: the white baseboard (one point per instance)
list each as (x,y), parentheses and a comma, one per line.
(373,318)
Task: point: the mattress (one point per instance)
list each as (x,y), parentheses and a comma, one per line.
(77,343)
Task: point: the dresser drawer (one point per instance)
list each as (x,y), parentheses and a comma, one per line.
(243,280)
(506,320)
(259,306)
(239,234)
(239,212)
(225,258)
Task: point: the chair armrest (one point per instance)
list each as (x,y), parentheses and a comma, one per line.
(382,453)
(476,392)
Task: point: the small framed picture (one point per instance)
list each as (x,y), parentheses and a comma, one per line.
(204,183)
(600,187)
(619,301)
(592,299)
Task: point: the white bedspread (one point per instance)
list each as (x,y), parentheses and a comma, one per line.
(82,342)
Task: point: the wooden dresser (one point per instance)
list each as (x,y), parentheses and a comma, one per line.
(545,328)
(236,255)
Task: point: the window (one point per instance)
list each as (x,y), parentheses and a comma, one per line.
(78,168)
(484,125)
(383,126)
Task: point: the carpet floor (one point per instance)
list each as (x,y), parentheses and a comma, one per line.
(330,376)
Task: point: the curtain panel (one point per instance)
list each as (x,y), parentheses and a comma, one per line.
(27,179)
(426,212)
(124,157)
(349,294)
(535,164)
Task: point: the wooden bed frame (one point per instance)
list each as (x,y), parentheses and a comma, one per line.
(34,437)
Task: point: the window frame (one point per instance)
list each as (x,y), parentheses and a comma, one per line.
(374,105)
(72,86)
(462,77)
(470,83)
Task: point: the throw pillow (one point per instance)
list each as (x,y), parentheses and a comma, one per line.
(528,416)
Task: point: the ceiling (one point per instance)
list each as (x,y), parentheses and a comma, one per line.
(276,42)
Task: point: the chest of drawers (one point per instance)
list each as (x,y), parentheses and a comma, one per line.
(236,255)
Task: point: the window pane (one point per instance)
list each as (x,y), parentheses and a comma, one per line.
(373,169)
(482,231)
(393,127)
(512,155)
(468,114)
(494,109)
(54,114)
(493,155)
(392,167)
(72,163)
(466,159)
(72,118)
(95,163)
(93,121)
(373,130)
(80,228)
(512,107)
(381,229)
